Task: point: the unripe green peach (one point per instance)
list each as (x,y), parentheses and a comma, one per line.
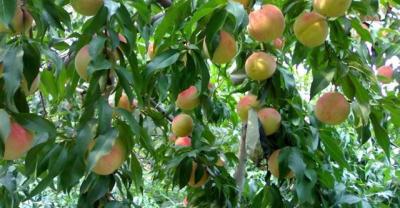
(183,142)
(21,22)
(192,181)
(311,29)
(273,165)
(244,105)
(385,74)
(332,108)
(332,8)
(226,49)
(266,24)
(270,120)
(110,162)
(87,7)
(34,86)
(260,66)
(82,60)
(18,142)
(182,125)
(188,99)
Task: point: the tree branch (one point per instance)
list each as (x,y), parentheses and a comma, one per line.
(241,169)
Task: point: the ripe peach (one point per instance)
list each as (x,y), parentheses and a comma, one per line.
(183,142)
(192,181)
(385,74)
(226,49)
(260,66)
(270,120)
(266,24)
(122,39)
(18,142)
(182,125)
(110,162)
(273,165)
(21,22)
(87,7)
(82,60)
(124,103)
(188,99)
(172,138)
(332,108)
(332,8)
(244,105)
(311,29)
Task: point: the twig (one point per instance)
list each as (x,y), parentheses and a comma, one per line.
(162,111)
(43,104)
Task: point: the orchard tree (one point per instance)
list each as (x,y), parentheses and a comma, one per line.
(227,103)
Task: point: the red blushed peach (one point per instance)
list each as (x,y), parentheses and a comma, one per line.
(188,99)
(332,108)
(110,162)
(183,142)
(82,60)
(182,125)
(87,7)
(273,165)
(279,43)
(126,104)
(311,29)
(270,120)
(192,181)
(332,8)
(18,142)
(385,74)
(244,105)
(226,49)
(266,24)
(260,66)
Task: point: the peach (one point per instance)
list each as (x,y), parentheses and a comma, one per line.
(124,103)
(244,105)
(270,120)
(385,74)
(273,165)
(226,49)
(109,163)
(332,8)
(311,29)
(260,66)
(21,22)
(82,60)
(192,181)
(220,162)
(87,7)
(279,43)
(183,142)
(266,24)
(18,142)
(151,51)
(182,125)
(188,99)
(172,138)
(332,108)
(245,3)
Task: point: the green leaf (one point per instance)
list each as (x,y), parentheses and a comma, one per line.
(162,61)
(136,173)
(5,125)
(13,68)
(333,148)
(7,11)
(381,134)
